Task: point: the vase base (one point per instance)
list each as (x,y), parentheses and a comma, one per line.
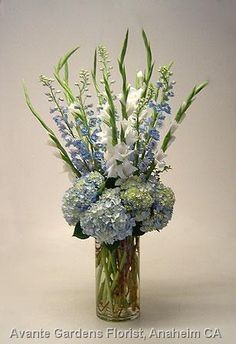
(118,318)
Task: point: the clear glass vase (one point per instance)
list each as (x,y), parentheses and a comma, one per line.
(117,280)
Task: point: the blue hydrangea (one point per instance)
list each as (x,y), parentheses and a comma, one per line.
(162,208)
(107,219)
(81,195)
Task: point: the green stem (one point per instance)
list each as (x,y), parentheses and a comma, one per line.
(117,275)
(113,263)
(100,292)
(107,276)
(98,277)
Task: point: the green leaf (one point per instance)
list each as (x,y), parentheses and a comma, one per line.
(111,183)
(66,88)
(94,72)
(150,73)
(109,96)
(166,141)
(63,62)
(185,105)
(66,72)
(66,79)
(34,112)
(124,48)
(94,79)
(137,231)
(101,189)
(125,87)
(64,59)
(183,108)
(78,232)
(49,131)
(201,87)
(150,64)
(148,49)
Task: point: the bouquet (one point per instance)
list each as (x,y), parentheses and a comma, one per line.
(115,150)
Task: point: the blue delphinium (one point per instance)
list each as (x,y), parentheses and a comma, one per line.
(81,195)
(107,219)
(79,151)
(162,208)
(154,133)
(61,120)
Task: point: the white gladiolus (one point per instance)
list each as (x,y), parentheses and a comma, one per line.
(118,152)
(103,112)
(122,171)
(105,134)
(132,100)
(140,75)
(139,78)
(130,132)
(118,163)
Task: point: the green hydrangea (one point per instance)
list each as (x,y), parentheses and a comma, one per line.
(136,195)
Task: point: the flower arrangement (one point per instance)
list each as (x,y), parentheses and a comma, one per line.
(115,150)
